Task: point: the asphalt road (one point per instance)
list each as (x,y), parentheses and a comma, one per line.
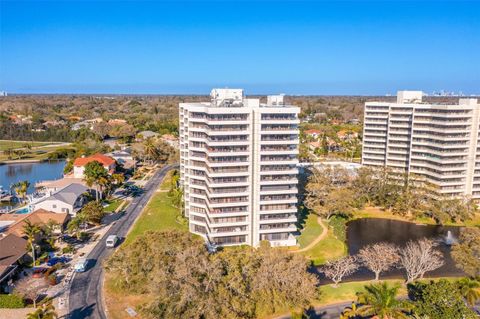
(86,290)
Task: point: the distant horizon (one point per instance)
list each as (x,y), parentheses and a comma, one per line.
(366,48)
(428,94)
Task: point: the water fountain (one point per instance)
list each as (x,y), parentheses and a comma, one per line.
(449,240)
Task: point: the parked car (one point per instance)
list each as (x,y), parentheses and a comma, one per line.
(111,241)
(39,272)
(55,260)
(81,265)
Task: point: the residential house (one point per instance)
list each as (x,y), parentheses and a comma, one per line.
(170,140)
(51,187)
(143,135)
(123,157)
(79,164)
(14,223)
(314,145)
(117,122)
(68,200)
(313,133)
(12,251)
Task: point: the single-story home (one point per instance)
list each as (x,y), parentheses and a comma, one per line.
(79,164)
(123,157)
(143,135)
(13,223)
(171,140)
(12,251)
(313,133)
(68,200)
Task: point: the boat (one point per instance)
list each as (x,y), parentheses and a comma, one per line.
(5,196)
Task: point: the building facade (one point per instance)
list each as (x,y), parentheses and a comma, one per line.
(238,164)
(436,141)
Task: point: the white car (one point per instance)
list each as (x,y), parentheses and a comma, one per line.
(81,265)
(111,241)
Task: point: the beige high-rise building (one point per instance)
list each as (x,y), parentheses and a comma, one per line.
(437,141)
(238,165)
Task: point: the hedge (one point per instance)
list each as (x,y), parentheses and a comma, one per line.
(11,301)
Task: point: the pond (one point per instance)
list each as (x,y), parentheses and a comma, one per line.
(32,172)
(366,231)
(362,232)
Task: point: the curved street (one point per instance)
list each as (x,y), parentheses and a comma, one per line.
(85,300)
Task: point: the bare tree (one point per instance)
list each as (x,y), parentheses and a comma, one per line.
(420,257)
(338,269)
(379,257)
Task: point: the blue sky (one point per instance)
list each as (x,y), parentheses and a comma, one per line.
(302,47)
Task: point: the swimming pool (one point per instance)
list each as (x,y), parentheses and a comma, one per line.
(24,210)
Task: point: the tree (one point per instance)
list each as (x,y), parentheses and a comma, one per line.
(118,178)
(95,175)
(350,312)
(75,225)
(381,300)
(466,252)
(379,257)
(150,151)
(336,270)
(184,281)
(445,210)
(48,230)
(31,230)
(419,257)
(438,300)
(93,213)
(328,192)
(45,311)
(470,290)
(21,188)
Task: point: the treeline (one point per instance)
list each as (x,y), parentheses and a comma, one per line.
(337,191)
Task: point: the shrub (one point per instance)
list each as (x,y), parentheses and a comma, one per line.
(68,250)
(11,301)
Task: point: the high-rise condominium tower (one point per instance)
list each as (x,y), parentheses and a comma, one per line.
(238,168)
(437,141)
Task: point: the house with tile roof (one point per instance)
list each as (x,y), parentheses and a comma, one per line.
(13,223)
(79,164)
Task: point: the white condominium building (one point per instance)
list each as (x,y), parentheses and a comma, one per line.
(437,141)
(238,168)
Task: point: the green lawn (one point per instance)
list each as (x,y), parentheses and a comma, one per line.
(375,212)
(113,205)
(347,291)
(310,231)
(328,248)
(4,144)
(159,214)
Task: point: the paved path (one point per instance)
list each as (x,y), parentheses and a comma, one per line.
(317,240)
(86,299)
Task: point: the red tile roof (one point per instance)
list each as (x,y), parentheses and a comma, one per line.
(313,131)
(102,159)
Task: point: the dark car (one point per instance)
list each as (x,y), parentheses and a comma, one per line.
(38,272)
(55,260)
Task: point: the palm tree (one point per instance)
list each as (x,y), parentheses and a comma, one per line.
(94,174)
(470,290)
(350,312)
(49,230)
(45,311)
(150,151)
(31,230)
(21,188)
(380,300)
